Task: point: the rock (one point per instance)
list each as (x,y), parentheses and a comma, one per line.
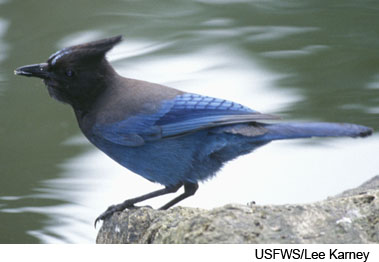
(350,217)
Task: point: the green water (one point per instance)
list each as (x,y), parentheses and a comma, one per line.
(303,60)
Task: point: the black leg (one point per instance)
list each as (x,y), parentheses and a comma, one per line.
(189,190)
(130,202)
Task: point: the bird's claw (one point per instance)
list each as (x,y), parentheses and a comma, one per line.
(106,214)
(110,210)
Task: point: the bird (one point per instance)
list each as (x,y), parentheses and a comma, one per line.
(167,136)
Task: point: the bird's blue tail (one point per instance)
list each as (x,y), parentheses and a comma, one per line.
(304,130)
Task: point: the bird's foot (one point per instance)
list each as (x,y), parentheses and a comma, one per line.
(112,209)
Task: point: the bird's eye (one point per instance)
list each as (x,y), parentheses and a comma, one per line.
(69,73)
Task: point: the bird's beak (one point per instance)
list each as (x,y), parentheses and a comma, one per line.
(36,70)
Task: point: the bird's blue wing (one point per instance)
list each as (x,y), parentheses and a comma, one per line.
(185,113)
(133,131)
(192,112)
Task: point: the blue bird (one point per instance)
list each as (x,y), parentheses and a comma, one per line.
(165,135)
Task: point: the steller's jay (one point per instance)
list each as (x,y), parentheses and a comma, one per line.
(163,134)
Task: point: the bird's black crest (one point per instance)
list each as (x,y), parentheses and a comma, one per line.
(91,49)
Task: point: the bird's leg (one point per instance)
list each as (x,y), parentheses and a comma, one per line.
(130,202)
(189,190)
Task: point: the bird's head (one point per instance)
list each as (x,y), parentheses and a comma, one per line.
(76,74)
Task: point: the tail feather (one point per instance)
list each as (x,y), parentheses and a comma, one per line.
(320,129)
